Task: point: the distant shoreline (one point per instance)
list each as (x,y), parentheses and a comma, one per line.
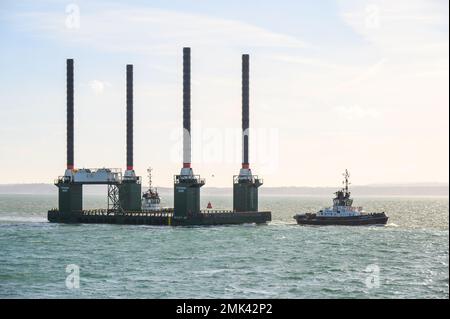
(440,190)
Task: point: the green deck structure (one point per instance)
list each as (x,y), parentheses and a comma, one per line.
(187,195)
(70,196)
(245,193)
(130,195)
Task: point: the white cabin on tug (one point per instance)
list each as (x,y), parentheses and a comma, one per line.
(342,203)
(341,211)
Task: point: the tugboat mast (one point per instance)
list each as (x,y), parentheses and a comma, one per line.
(346,177)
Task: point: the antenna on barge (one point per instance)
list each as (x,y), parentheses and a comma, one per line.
(149,171)
(149,176)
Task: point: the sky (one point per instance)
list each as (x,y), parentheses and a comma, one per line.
(361,85)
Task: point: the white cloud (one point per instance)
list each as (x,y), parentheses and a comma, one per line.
(364,74)
(390,78)
(401,26)
(149,30)
(315,62)
(98,86)
(356,112)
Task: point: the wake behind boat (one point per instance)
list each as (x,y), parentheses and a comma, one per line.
(342,212)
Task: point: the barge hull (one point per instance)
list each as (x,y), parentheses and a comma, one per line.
(160,219)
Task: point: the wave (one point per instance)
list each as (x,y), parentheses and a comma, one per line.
(392,225)
(278,222)
(24,219)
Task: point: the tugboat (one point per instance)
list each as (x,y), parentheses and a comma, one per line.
(150,199)
(342,212)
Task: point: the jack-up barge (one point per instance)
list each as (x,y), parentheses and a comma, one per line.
(125,205)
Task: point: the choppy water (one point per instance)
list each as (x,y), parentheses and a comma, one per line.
(408,258)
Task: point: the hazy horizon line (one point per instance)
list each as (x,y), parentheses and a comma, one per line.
(391,184)
(409,190)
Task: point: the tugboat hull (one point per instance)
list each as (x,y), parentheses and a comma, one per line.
(370,219)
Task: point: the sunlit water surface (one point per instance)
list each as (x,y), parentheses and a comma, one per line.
(408,258)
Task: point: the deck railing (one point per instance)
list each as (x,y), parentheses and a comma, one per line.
(110,212)
(215,211)
(249,179)
(188,179)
